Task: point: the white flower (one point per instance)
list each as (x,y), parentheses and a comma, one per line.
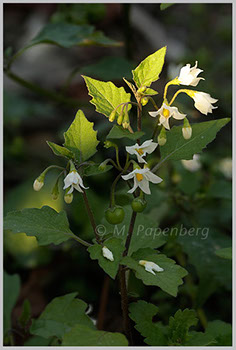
(140,151)
(225,166)
(192,164)
(141,179)
(188,76)
(74,180)
(150,266)
(107,253)
(165,113)
(203,102)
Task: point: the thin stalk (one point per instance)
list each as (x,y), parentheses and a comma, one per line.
(91,217)
(176,94)
(81,241)
(155,130)
(153,102)
(113,187)
(139,119)
(41,91)
(130,232)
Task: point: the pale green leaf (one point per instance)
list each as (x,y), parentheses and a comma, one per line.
(80,138)
(149,69)
(100,39)
(179,326)
(221,331)
(142,314)
(117,132)
(83,336)
(60,150)
(116,246)
(225,253)
(60,315)
(106,96)
(150,92)
(11,290)
(46,224)
(168,280)
(177,148)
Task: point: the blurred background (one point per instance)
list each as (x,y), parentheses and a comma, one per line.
(43,89)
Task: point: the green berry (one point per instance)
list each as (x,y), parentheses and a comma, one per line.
(115,215)
(138,205)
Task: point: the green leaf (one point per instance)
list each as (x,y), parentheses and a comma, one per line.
(168,280)
(149,69)
(177,148)
(100,39)
(106,96)
(60,315)
(117,132)
(165,6)
(46,224)
(146,233)
(94,169)
(116,246)
(60,150)
(109,68)
(26,314)
(80,138)
(150,92)
(199,339)
(225,253)
(37,341)
(84,336)
(11,290)
(221,331)
(142,314)
(179,326)
(210,267)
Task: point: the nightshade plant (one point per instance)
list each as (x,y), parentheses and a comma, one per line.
(116,254)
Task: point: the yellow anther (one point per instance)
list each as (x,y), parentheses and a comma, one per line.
(140,151)
(166,113)
(139,177)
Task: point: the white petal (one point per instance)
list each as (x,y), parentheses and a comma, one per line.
(153,178)
(107,253)
(146,144)
(70,190)
(148,268)
(165,122)
(144,186)
(135,186)
(177,115)
(153,114)
(157,268)
(149,149)
(78,188)
(131,149)
(68,180)
(129,176)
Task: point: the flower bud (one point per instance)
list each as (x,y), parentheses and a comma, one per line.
(142,89)
(38,184)
(68,198)
(144,101)
(187,130)
(120,119)
(112,116)
(103,165)
(162,137)
(126,122)
(55,191)
(108,144)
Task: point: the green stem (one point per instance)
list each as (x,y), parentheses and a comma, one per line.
(43,92)
(124,304)
(153,102)
(130,232)
(113,187)
(176,94)
(80,240)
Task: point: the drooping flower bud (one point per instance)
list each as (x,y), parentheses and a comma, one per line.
(126,122)
(112,116)
(144,101)
(186,130)
(120,119)
(108,144)
(68,197)
(162,137)
(55,190)
(38,183)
